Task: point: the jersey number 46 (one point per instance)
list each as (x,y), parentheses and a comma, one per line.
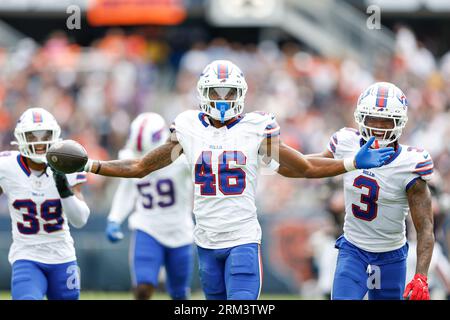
(231,181)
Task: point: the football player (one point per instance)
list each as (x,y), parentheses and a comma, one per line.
(41,203)
(223,147)
(162,214)
(373,249)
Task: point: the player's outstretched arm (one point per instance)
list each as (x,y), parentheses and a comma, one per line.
(419,200)
(294,164)
(138,168)
(287,172)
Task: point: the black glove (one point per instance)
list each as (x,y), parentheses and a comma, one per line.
(62,184)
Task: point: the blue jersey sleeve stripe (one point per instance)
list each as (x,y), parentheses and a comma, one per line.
(428,167)
(411,183)
(424,173)
(335,140)
(424,164)
(332,147)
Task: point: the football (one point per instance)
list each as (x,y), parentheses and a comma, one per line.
(67,156)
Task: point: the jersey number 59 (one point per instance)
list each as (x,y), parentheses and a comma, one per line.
(164,189)
(231,181)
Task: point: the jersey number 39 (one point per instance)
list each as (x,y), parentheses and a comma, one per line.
(231,181)
(369,199)
(50,210)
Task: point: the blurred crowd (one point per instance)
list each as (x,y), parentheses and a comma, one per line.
(94,92)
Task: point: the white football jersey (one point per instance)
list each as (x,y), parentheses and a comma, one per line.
(224,165)
(376,202)
(39,225)
(161,203)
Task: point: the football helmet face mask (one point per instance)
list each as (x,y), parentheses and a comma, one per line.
(35,132)
(386,106)
(222,89)
(147,132)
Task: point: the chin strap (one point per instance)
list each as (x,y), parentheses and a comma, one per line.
(222,107)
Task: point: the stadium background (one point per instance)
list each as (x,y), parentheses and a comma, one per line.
(305,61)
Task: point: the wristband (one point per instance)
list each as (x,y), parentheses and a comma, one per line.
(99,165)
(349,164)
(88,165)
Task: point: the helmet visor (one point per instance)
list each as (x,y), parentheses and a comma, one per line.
(38,141)
(222,93)
(39,136)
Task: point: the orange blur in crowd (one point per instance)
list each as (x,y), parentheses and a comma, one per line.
(131,12)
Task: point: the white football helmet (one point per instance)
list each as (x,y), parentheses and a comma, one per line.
(382,100)
(147,132)
(222,88)
(35,132)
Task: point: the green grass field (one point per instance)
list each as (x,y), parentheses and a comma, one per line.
(98,295)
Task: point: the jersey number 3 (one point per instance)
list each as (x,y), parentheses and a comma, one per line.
(369,200)
(231,180)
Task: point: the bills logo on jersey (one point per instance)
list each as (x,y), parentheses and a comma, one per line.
(371,174)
